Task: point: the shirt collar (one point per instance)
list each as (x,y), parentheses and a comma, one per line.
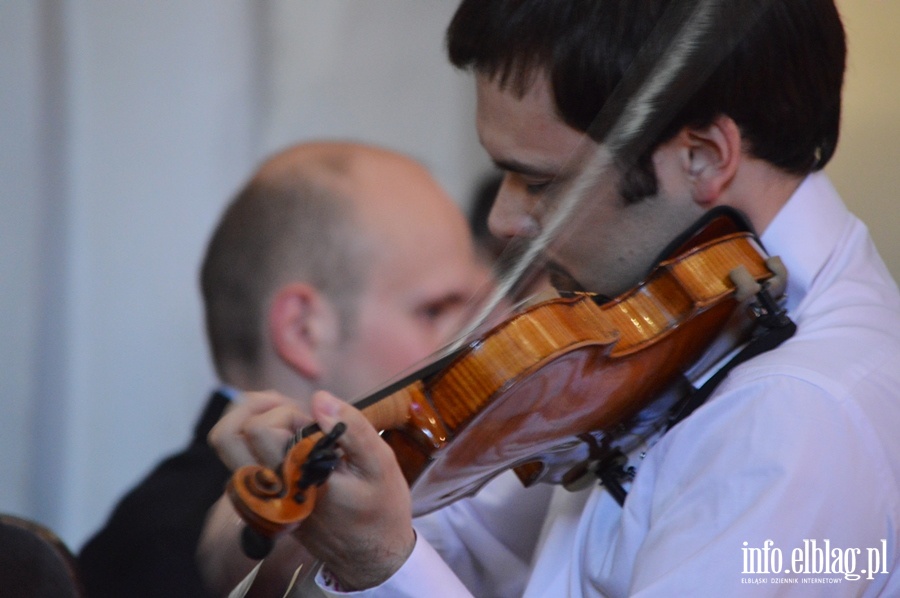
(805,232)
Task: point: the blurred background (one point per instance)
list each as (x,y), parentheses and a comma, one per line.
(125,127)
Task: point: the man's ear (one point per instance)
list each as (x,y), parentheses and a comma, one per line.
(302,325)
(711,158)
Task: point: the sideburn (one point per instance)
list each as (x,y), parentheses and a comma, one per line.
(639,180)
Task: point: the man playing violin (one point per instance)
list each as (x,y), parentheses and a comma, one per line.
(337,266)
(789,473)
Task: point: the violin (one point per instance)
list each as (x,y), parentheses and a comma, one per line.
(536,382)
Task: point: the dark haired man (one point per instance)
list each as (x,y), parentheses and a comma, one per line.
(789,472)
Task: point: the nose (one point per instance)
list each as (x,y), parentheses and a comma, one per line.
(511,213)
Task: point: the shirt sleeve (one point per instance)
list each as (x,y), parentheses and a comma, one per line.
(488,540)
(423,574)
(479,546)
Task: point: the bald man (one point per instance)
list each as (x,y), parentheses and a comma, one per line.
(337,266)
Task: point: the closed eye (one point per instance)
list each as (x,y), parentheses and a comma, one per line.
(537,188)
(433,311)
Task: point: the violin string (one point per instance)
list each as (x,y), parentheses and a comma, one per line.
(635,116)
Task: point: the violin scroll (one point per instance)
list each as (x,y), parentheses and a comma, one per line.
(274,501)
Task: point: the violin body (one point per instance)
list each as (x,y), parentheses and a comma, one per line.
(538,381)
(564,368)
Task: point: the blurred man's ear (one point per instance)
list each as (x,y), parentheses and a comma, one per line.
(711,157)
(302,324)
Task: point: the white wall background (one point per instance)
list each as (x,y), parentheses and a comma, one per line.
(125,126)
(866,167)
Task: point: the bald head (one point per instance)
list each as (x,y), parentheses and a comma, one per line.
(327,214)
(374,181)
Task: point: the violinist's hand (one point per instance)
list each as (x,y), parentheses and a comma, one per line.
(361,527)
(257,429)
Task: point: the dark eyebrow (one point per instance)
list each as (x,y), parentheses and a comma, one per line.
(522,168)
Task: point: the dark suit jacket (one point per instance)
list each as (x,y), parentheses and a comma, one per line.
(148,544)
